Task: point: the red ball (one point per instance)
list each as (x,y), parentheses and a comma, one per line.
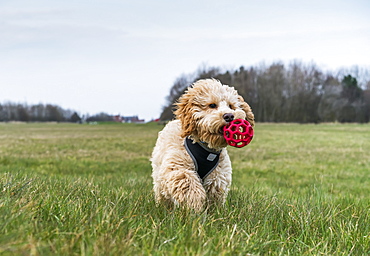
(238,133)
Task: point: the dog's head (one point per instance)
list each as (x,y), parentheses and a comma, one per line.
(206,107)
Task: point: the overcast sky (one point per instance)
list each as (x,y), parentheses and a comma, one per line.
(122,57)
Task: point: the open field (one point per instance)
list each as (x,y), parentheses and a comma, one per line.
(69,189)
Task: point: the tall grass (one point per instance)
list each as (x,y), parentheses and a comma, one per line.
(86,190)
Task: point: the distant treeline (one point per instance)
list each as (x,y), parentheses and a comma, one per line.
(45,113)
(295,92)
(36,113)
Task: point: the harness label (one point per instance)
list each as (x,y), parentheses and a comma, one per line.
(211,157)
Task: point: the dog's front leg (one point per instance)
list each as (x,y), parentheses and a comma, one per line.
(216,193)
(217,184)
(185,189)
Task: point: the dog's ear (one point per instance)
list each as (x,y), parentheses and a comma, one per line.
(248,111)
(185,113)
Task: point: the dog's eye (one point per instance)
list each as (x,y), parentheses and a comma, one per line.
(213,105)
(231,106)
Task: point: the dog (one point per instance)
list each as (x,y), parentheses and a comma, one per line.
(191,166)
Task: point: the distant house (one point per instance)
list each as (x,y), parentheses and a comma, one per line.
(118,118)
(132,119)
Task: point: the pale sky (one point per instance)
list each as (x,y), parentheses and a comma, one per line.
(122,57)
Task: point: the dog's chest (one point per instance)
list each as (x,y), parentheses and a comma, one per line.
(205,161)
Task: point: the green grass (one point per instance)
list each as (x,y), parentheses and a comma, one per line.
(71,189)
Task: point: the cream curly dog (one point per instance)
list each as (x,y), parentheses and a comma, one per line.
(190,162)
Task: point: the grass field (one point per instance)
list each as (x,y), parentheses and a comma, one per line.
(69,189)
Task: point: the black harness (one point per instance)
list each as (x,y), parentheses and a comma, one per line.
(205,159)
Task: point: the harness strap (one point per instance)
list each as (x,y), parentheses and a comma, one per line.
(205,161)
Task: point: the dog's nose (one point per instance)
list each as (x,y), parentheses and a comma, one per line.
(228,117)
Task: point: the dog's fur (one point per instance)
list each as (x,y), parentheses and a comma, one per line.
(200,114)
